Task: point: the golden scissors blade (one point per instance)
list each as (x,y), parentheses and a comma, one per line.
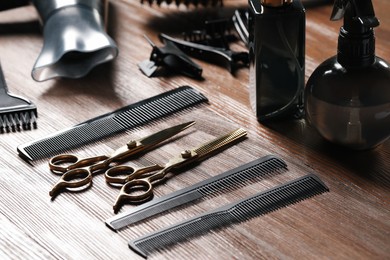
(187,156)
(80,172)
(219,143)
(136,146)
(201,152)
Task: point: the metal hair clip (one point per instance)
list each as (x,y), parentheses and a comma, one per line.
(171,57)
(240,22)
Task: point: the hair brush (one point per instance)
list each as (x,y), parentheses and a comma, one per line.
(16,113)
(186,2)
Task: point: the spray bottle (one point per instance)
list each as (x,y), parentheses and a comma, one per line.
(347,98)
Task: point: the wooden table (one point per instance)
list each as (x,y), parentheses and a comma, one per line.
(351,221)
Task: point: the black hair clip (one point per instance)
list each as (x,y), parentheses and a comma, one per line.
(186,2)
(172,57)
(216,33)
(212,44)
(217,55)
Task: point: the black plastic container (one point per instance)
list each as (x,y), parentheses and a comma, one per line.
(277,58)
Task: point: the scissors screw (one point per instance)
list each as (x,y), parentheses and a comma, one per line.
(131,144)
(186,154)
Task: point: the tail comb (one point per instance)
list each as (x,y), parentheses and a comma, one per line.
(257,205)
(224,182)
(186,2)
(16,113)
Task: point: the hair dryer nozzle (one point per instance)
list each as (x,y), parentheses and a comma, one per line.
(74,39)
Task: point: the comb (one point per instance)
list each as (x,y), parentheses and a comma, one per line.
(233,178)
(186,2)
(112,123)
(257,205)
(16,113)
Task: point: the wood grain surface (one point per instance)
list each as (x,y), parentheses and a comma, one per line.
(352,221)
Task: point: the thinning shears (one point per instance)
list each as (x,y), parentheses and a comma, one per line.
(78,172)
(138,182)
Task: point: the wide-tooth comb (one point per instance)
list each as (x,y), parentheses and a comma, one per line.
(16,113)
(224,182)
(186,2)
(112,123)
(257,205)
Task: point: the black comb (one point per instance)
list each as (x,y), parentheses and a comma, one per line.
(257,205)
(16,113)
(234,178)
(112,123)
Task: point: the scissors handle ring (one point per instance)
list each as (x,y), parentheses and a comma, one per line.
(56,161)
(112,174)
(72,179)
(56,164)
(135,185)
(122,174)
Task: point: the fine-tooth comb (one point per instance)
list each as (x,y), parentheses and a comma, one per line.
(257,205)
(186,2)
(226,181)
(112,123)
(16,113)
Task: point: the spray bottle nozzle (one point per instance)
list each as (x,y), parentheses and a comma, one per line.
(357,12)
(356,46)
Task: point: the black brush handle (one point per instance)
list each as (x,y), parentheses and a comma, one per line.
(3,84)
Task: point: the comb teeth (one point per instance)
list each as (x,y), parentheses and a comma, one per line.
(260,204)
(112,123)
(23,120)
(225,182)
(239,178)
(186,2)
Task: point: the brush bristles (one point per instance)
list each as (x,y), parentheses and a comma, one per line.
(185,2)
(17,121)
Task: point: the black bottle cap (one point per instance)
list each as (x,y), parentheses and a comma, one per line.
(356,44)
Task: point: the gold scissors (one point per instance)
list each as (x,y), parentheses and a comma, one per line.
(78,172)
(138,188)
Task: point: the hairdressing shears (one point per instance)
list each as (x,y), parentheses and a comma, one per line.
(78,172)
(138,182)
